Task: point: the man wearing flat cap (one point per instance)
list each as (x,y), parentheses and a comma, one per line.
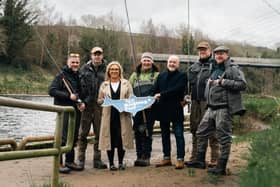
(198,74)
(92,74)
(223,99)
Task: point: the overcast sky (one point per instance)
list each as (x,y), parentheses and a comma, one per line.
(249,21)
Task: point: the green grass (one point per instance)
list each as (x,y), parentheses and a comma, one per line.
(264,160)
(261,107)
(246,137)
(260,111)
(60,184)
(18,81)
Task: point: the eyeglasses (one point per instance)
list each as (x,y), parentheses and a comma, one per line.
(74,55)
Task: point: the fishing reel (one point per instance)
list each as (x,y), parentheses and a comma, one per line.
(79,102)
(188,99)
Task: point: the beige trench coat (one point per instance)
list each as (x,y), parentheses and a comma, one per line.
(125,118)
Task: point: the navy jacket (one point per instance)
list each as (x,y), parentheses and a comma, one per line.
(171,86)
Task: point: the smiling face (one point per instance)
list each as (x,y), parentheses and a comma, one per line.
(173,63)
(146,63)
(221,56)
(73,63)
(114,72)
(204,53)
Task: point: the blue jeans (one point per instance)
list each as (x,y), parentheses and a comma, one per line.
(178,129)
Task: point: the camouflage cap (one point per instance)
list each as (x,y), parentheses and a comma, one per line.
(204,45)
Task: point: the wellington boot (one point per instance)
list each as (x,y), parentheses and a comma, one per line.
(195,164)
(220,169)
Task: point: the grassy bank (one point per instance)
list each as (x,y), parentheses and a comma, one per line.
(264,159)
(19,81)
(260,112)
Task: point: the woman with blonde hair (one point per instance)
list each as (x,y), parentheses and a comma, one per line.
(116,128)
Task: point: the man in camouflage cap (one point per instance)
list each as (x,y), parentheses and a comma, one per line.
(198,74)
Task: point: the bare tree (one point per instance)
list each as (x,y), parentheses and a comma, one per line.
(48,15)
(148,28)
(110,21)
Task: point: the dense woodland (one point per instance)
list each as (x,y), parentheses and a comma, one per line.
(23,24)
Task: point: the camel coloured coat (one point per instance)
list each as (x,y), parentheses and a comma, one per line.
(125,118)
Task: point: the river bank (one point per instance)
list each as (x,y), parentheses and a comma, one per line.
(26,172)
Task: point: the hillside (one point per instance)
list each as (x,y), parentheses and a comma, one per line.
(18,81)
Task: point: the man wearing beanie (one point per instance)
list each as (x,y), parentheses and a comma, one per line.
(142,81)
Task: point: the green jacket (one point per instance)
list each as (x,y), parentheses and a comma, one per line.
(143,81)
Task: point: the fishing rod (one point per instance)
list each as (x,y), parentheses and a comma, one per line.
(130,34)
(65,81)
(137,79)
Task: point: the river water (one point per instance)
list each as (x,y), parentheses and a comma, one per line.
(18,123)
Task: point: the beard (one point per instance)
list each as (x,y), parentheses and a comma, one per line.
(171,68)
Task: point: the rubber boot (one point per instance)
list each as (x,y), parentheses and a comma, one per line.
(220,169)
(198,162)
(138,161)
(145,161)
(98,164)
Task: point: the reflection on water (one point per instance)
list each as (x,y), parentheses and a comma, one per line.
(18,123)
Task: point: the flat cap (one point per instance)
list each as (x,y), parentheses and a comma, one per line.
(221,48)
(203,44)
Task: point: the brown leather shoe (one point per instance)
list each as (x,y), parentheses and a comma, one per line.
(164,162)
(179,164)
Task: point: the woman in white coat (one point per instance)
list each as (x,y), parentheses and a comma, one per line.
(116,128)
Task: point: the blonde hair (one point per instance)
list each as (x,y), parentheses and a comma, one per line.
(107,75)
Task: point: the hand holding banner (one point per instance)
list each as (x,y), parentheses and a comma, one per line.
(132,104)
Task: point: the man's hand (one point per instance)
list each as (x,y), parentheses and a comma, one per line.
(73,97)
(217,81)
(82,107)
(157,96)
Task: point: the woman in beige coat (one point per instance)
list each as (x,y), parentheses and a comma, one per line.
(116,128)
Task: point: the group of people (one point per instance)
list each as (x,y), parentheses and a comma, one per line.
(215,83)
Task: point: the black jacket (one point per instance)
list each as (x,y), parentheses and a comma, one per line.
(198,75)
(171,86)
(58,90)
(91,79)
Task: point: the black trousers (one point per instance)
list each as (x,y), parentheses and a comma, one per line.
(70,156)
(143,140)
